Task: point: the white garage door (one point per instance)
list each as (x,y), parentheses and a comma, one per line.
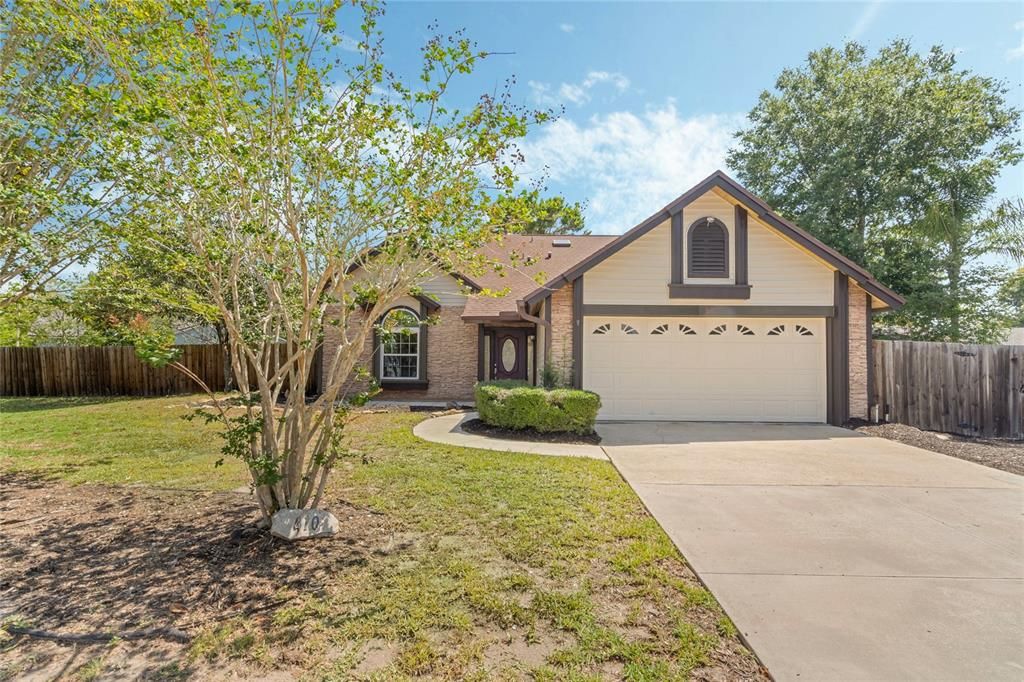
(714,369)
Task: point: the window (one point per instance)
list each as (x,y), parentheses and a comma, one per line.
(717,331)
(628,328)
(707,249)
(777,330)
(803,331)
(603,329)
(744,330)
(687,330)
(660,329)
(400,345)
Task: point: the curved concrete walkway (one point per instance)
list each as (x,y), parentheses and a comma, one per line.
(448,430)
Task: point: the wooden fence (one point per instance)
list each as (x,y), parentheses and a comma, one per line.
(972,390)
(110,370)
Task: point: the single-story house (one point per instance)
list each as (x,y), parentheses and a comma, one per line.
(714,308)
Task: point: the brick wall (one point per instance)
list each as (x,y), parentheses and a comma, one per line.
(561,334)
(451,358)
(858,350)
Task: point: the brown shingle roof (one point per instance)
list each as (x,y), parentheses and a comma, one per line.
(526,262)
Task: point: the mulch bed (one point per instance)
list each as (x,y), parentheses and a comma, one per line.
(998,453)
(478,427)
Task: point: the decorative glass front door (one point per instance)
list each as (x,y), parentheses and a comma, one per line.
(509,354)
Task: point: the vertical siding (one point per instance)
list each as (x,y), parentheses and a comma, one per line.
(780,273)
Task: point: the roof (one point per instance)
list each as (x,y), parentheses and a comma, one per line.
(528,260)
(761,210)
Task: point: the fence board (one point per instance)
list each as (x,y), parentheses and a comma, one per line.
(968,389)
(115,370)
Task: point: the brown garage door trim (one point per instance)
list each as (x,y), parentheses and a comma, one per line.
(599,310)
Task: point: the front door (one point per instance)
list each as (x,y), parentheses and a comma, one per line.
(509,354)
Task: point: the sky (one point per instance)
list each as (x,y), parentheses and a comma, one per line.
(653,92)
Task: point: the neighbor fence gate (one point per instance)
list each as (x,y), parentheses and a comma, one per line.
(973,390)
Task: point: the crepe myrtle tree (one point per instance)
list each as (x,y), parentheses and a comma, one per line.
(286,152)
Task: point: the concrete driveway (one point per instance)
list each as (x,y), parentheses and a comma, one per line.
(840,556)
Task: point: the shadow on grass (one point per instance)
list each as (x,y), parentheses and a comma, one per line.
(109,559)
(42,403)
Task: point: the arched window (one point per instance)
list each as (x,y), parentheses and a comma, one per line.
(707,249)
(400,345)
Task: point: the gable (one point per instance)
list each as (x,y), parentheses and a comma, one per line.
(753,209)
(779,272)
(440,288)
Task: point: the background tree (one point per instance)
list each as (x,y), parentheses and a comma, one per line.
(44,318)
(147,271)
(59,147)
(280,164)
(861,150)
(530,213)
(1011,295)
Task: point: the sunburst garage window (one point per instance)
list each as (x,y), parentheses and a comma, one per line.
(400,345)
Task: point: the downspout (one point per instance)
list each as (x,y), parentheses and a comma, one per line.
(526,317)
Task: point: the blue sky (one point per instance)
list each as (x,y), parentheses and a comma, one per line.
(653,91)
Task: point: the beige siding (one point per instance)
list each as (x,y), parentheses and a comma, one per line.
(442,287)
(445,290)
(638,274)
(780,273)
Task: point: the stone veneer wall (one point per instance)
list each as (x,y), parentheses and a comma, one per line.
(858,350)
(451,359)
(561,334)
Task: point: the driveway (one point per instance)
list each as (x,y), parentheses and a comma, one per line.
(841,556)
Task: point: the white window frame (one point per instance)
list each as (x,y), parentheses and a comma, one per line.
(414,330)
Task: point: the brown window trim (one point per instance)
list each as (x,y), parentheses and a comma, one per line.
(723,272)
(732,291)
(404,384)
(420,382)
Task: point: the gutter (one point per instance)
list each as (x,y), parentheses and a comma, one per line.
(523,315)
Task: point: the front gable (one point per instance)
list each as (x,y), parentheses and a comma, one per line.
(778,272)
(793,267)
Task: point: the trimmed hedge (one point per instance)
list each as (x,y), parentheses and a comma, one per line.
(518,405)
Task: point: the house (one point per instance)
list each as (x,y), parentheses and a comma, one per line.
(714,308)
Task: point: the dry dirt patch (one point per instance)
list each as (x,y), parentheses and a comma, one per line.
(105,559)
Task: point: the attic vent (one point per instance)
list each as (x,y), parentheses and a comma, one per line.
(561,242)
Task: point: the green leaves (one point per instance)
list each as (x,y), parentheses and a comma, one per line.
(849,143)
(895,153)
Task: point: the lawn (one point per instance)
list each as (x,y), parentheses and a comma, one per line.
(452,563)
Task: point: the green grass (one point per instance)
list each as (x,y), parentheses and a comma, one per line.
(110,440)
(556,555)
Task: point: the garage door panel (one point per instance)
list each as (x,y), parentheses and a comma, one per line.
(707,368)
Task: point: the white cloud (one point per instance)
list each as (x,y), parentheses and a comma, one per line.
(866,18)
(566,28)
(628,165)
(577,93)
(1015,53)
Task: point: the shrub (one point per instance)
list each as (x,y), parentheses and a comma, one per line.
(518,405)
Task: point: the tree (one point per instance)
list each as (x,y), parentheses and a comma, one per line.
(59,148)
(1011,295)
(848,144)
(281,164)
(146,271)
(43,318)
(529,213)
